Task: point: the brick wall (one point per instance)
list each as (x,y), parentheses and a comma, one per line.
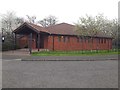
(24,41)
(73,44)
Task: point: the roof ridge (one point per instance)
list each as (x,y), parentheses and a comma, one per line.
(48,26)
(59,24)
(34,24)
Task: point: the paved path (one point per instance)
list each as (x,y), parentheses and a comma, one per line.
(15,54)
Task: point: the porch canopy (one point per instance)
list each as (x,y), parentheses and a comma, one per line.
(27,28)
(30,29)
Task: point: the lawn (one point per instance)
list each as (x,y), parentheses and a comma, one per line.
(74,53)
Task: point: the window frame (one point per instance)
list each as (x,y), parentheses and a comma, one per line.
(64,39)
(104,40)
(59,38)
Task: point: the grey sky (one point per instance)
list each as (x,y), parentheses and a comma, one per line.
(65,10)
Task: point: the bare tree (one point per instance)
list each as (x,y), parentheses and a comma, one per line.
(87,26)
(114,32)
(92,26)
(50,20)
(9,22)
(31,19)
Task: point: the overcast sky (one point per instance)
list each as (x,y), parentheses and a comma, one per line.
(65,10)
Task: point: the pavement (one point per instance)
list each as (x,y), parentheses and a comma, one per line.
(15,54)
(70,58)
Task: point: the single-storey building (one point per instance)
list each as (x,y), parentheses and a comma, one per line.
(58,37)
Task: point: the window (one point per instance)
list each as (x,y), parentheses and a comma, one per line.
(85,39)
(59,38)
(104,40)
(77,39)
(81,39)
(64,39)
(68,39)
(99,40)
(88,40)
(91,40)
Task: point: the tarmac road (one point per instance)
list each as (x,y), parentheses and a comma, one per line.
(59,74)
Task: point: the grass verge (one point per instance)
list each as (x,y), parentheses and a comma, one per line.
(74,53)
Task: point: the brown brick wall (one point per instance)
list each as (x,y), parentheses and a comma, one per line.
(74,45)
(23,41)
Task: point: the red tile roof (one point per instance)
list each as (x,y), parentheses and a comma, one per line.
(61,29)
(37,27)
(34,27)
